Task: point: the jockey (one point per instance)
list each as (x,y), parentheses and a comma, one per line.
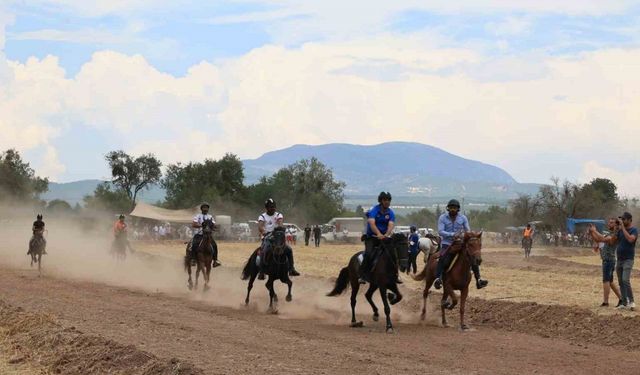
(119,227)
(267,222)
(380,223)
(38,230)
(197,237)
(527,233)
(450,224)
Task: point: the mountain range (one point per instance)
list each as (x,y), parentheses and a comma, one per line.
(406,169)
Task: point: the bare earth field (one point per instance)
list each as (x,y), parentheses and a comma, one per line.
(89,315)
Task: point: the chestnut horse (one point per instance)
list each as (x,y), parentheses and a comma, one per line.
(468,249)
(204,256)
(391,251)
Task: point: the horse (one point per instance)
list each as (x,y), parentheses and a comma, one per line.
(393,252)
(527,242)
(204,256)
(119,247)
(458,276)
(429,245)
(36,249)
(277,268)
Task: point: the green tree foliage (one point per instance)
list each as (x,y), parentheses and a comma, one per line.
(305,190)
(421,219)
(105,198)
(494,219)
(59,206)
(524,209)
(130,175)
(18,180)
(213,181)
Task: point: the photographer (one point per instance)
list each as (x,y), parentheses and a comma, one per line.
(627,237)
(608,256)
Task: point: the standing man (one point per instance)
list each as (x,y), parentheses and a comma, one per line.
(414,240)
(317,233)
(608,256)
(380,223)
(627,237)
(451,224)
(307,235)
(196,224)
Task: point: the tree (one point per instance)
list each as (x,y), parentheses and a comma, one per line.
(524,209)
(132,175)
(421,219)
(18,180)
(214,181)
(360,211)
(59,206)
(106,198)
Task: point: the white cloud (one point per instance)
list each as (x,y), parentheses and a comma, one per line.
(511,26)
(91,36)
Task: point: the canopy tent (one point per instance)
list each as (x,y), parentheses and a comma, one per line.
(571,223)
(148,211)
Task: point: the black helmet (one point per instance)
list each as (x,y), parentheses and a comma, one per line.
(384,195)
(121,216)
(269,203)
(412,228)
(453,203)
(204,204)
(39,217)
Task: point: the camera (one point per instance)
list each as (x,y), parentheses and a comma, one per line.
(618,222)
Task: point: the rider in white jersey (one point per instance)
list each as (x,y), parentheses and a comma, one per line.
(197,228)
(267,222)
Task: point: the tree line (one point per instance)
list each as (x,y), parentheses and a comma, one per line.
(306,191)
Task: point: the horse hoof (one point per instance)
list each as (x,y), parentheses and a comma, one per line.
(423,316)
(357,325)
(289,298)
(206,287)
(272,311)
(376,317)
(246,302)
(446,325)
(390,330)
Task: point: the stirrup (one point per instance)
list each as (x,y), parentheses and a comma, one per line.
(481,283)
(215,264)
(438,283)
(293,272)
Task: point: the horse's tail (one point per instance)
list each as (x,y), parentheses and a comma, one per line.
(423,274)
(249,267)
(341,283)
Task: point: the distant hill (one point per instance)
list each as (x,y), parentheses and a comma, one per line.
(403,168)
(418,172)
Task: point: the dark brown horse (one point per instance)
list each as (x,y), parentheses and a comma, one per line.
(458,276)
(36,249)
(204,256)
(277,269)
(392,251)
(527,242)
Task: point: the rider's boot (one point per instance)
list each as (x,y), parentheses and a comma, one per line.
(476,273)
(292,268)
(214,253)
(439,271)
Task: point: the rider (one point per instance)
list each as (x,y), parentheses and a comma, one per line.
(267,222)
(380,223)
(450,224)
(527,234)
(197,237)
(38,229)
(414,239)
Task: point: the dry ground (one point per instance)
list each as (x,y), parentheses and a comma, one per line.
(537,316)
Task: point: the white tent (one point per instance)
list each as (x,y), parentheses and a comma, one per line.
(148,211)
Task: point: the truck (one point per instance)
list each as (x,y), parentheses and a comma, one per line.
(346,229)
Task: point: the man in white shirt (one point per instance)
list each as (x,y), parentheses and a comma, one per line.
(267,222)
(197,228)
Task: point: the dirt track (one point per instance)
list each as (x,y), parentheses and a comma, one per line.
(220,337)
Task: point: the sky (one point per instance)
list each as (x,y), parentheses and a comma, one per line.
(539,88)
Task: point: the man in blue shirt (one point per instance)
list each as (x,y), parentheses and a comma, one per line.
(451,224)
(626,251)
(414,239)
(380,223)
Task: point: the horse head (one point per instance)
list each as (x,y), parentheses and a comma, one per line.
(278,240)
(400,245)
(207,227)
(473,246)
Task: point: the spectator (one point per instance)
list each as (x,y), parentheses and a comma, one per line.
(627,237)
(317,233)
(608,256)
(307,234)
(414,239)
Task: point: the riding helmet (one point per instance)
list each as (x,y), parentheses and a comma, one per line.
(39,217)
(412,228)
(269,203)
(453,203)
(384,195)
(121,216)
(205,204)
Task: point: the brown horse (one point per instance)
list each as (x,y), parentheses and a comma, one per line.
(204,256)
(468,249)
(277,269)
(392,251)
(36,249)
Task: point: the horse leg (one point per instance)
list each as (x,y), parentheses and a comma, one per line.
(206,273)
(369,294)
(198,268)
(249,287)
(190,281)
(40,264)
(463,299)
(355,287)
(387,309)
(395,296)
(289,283)
(443,306)
(272,294)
